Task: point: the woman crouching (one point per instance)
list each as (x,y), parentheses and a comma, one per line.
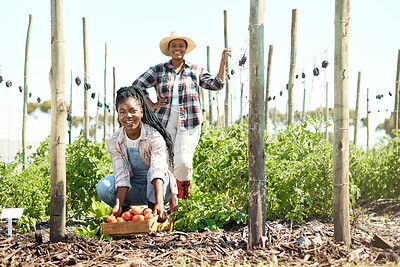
(142,157)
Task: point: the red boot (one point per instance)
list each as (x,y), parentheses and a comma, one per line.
(183,189)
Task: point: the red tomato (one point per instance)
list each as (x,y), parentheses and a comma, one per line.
(147,210)
(148,215)
(127,216)
(135,210)
(138,218)
(111,219)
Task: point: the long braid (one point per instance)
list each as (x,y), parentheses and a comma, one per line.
(148,115)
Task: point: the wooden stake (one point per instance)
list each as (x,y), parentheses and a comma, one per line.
(303,114)
(356,117)
(58,112)
(257,200)
(367,117)
(341,122)
(293,55)
(397,92)
(326,112)
(227,109)
(241,103)
(115,121)
(70,113)
(210,93)
(25,107)
(105,98)
(270,53)
(97,118)
(86,80)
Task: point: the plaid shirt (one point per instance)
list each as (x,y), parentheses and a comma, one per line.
(162,77)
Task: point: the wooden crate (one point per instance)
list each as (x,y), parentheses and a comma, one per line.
(150,226)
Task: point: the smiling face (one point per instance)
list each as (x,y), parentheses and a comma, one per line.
(130,114)
(177,49)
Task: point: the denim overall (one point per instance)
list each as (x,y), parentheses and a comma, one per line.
(141,192)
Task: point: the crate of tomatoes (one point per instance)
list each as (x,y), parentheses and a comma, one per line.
(135,221)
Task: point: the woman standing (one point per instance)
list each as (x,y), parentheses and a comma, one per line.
(177,84)
(142,157)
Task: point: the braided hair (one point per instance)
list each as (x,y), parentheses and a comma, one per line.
(148,115)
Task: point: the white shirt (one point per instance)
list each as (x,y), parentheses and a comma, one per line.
(175,91)
(133,143)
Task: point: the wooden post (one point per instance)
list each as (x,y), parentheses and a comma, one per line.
(341,121)
(267,86)
(293,55)
(58,112)
(219,119)
(105,97)
(367,117)
(397,92)
(25,107)
(241,103)
(210,93)
(303,114)
(115,121)
(227,81)
(86,80)
(257,201)
(356,117)
(97,118)
(70,113)
(326,112)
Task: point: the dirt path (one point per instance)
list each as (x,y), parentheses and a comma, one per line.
(375,241)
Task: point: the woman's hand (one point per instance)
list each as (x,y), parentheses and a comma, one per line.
(221,72)
(119,200)
(225,52)
(116,210)
(160,210)
(160,101)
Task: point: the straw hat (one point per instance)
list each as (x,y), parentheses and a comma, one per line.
(164,43)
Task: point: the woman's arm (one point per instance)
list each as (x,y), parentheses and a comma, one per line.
(119,200)
(161,101)
(221,72)
(147,80)
(216,83)
(158,169)
(158,185)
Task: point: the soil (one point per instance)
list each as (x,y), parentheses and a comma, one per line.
(375,240)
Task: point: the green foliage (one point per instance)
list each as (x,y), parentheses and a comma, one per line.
(87,163)
(298,171)
(92,230)
(380,172)
(100,211)
(26,224)
(30,188)
(220,163)
(206,211)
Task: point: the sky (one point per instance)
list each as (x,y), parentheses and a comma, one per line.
(132,31)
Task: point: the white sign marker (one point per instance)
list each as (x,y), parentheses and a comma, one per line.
(10,214)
